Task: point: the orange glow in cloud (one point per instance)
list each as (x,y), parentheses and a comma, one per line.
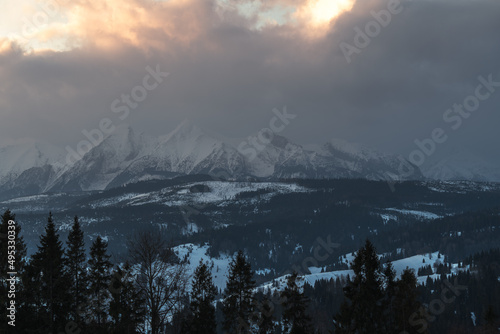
(322,11)
(316,15)
(109,24)
(5,45)
(141,23)
(145,24)
(313,17)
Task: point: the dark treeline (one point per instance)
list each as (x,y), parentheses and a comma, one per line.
(458,236)
(62,288)
(341,207)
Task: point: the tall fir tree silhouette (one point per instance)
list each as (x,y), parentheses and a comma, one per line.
(77,270)
(100,278)
(389,299)
(201,305)
(406,305)
(295,306)
(53,280)
(237,305)
(362,310)
(127,307)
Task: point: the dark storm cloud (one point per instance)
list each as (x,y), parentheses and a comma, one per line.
(228,77)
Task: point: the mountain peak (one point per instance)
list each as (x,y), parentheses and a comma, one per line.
(354,149)
(26,154)
(124,134)
(126,156)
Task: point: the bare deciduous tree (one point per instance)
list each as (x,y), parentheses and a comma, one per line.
(161,277)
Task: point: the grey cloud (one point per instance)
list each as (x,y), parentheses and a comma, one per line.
(229,78)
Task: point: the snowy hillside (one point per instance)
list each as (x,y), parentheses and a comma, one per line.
(413,262)
(193,254)
(199,193)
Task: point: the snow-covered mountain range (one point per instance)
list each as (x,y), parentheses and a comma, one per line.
(126,156)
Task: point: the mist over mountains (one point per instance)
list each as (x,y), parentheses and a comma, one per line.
(126,156)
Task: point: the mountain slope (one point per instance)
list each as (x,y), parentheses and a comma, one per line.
(126,156)
(103,164)
(27,167)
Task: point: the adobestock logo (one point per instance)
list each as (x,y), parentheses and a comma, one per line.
(371,30)
(48,11)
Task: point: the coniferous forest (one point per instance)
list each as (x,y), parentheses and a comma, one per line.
(65,287)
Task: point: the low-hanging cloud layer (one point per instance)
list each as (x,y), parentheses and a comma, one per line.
(378,72)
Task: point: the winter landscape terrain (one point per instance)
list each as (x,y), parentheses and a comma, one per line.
(282,208)
(249,167)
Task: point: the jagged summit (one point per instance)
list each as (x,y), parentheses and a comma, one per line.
(23,155)
(126,156)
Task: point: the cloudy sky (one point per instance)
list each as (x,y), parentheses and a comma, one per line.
(377,72)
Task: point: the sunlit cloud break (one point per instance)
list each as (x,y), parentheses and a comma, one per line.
(62,24)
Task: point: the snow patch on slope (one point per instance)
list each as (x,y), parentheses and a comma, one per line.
(194,254)
(420,214)
(216,192)
(413,262)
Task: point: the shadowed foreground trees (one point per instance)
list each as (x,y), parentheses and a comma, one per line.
(295,317)
(238,296)
(374,301)
(69,290)
(100,279)
(52,279)
(76,262)
(161,278)
(201,319)
(127,307)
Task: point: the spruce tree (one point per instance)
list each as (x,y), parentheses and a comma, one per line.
(34,310)
(295,306)
(52,279)
(362,310)
(201,305)
(77,270)
(127,307)
(238,297)
(100,278)
(389,307)
(406,304)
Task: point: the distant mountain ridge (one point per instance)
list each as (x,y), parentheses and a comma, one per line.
(126,156)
